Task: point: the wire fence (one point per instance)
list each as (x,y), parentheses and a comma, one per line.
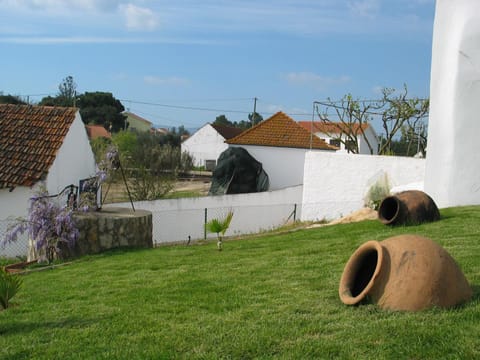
(17,249)
(185,225)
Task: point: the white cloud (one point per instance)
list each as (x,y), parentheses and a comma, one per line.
(173,80)
(139,18)
(365,8)
(317,81)
(57,6)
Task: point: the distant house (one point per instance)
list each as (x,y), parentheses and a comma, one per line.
(207,143)
(334,132)
(96,131)
(280,144)
(137,123)
(40,143)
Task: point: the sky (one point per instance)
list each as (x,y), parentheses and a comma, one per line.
(185,62)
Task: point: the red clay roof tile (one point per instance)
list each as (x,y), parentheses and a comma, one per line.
(30,137)
(280,131)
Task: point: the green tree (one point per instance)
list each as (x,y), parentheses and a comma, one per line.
(11,99)
(126,143)
(222,120)
(255,118)
(102,108)
(66,94)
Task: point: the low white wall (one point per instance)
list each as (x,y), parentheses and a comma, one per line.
(176,219)
(336,184)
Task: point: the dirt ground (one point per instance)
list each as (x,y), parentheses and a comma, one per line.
(116,192)
(196,185)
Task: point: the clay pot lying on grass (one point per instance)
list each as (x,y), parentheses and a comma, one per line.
(405,272)
(408,207)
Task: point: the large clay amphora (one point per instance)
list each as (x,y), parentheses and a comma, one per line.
(405,272)
(408,207)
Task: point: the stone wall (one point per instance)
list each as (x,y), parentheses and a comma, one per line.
(113,228)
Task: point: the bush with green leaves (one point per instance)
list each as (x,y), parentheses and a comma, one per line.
(219,226)
(377,192)
(9,287)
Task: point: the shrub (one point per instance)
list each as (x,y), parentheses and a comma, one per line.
(9,286)
(219,226)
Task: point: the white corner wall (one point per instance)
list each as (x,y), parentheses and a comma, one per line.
(452,174)
(205,144)
(284,166)
(74,161)
(336,184)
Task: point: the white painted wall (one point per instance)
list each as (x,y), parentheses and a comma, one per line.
(336,184)
(204,144)
(174,220)
(74,161)
(284,166)
(452,170)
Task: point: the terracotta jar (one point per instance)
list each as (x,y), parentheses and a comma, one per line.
(405,272)
(408,207)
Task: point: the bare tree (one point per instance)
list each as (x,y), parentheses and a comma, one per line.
(395,111)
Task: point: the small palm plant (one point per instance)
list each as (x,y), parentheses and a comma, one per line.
(219,226)
(9,286)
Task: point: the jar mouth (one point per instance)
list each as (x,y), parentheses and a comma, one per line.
(388,210)
(360,272)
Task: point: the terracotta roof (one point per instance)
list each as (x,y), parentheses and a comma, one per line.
(227,132)
(96,131)
(332,127)
(280,131)
(30,137)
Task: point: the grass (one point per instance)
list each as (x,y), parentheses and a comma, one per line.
(270,296)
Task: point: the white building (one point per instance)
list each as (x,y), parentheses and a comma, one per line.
(335,133)
(207,143)
(39,143)
(452,175)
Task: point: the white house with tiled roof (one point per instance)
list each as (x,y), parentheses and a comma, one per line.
(280,144)
(39,143)
(335,133)
(207,143)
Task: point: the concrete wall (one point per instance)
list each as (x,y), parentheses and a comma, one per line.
(452,170)
(204,144)
(177,219)
(336,184)
(284,166)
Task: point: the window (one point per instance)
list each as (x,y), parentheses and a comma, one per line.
(335,142)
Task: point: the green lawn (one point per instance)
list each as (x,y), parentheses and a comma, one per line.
(271,296)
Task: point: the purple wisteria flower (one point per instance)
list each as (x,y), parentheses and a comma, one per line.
(47,224)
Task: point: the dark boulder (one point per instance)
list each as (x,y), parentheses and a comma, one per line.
(238,172)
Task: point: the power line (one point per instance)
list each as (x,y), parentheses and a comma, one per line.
(184,107)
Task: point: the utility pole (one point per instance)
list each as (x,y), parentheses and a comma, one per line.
(254,111)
